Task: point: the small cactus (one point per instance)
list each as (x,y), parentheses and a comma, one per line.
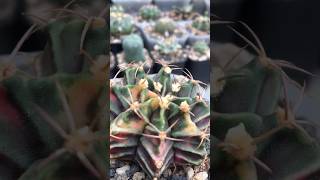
(158,120)
(150,12)
(200,51)
(165,26)
(116,9)
(121,24)
(133,48)
(202,23)
(168,47)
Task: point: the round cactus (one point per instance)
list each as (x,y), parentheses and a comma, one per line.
(150,12)
(200,47)
(121,24)
(116,9)
(165,25)
(168,47)
(202,23)
(158,120)
(133,48)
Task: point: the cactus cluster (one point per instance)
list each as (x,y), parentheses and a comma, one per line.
(158,120)
(133,48)
(49,129)
(121,24)
(165,26)
(200,51)
(116,9)
(256,134)
(201,23)
(149,12)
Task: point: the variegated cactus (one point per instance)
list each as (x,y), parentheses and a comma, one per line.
(158,120)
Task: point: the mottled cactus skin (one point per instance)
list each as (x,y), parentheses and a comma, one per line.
(250,128)
(49,129)
(165,25)
(115,9)
(201,47)
(150,12)
(121,24)
(157,120)
(133,48)
(202,23)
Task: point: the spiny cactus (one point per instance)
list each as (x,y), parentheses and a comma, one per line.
(49,129)
(121,24)
(202,23)
(157,120)
(256,134)
(165,26)
(150,12)
(168,47)
(183,13)
(133,48)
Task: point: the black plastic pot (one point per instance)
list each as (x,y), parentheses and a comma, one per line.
(200,70)
(199,6)
(116,48)
(168,5)
(194,38)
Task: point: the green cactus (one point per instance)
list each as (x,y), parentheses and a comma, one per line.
(48,129)
(165,25)
(185,12)
(200,47)
(168,47)
(121,24)
(254,124)
(202,23)
(116,9)
(133,48)
(157,120)
(150,12)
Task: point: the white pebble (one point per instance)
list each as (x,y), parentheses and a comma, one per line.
(138,176)
(122,170)
(201,176)
(190,173)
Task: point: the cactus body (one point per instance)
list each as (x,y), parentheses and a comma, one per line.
(150,12)
(133,48)
(153,122)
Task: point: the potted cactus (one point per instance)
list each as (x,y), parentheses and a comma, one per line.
(199,29)
(148,14)
(255,126)
(134,52)
(162,29)
(199,61)
(168,5)
(170,52)
(158,120)
(120,24)
(183,13)
(49,130)
(131,6)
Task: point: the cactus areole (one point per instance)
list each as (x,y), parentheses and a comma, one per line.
(158,120)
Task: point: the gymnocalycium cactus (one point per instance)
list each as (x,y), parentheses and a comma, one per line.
(133,48)
(116,9)
(168,47)
(157,120)
(200,51)
(48,129)
(256,134)
(201,23)
(150,12)
(165,26)
(121,24)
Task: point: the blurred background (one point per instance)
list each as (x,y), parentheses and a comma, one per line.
(288,29)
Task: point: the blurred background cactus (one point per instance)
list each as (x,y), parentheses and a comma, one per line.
(121,24)
(201,23)
(133,48)
(165,26)
(149,12)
